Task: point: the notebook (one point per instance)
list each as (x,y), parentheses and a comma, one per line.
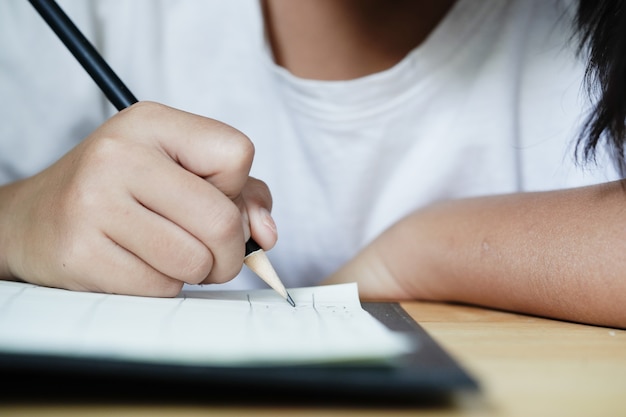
(221,343)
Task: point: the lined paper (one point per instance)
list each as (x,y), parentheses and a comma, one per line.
(203,327)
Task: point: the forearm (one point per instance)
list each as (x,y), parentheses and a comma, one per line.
(556,254)
(8,197)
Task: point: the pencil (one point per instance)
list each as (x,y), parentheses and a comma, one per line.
(120,96)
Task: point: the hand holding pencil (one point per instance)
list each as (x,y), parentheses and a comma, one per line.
(153,199)
(149,201)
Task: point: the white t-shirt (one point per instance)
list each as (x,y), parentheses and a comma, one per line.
(490,103)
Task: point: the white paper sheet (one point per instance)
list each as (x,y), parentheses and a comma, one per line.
(255,327)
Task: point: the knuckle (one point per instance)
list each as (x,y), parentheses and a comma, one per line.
(184,259)
(104,150)
(223,276)
(225,224)
(196,265)
(239,147)
(144,109)
(170,289)
(225,228)
(142,113)
(244,148)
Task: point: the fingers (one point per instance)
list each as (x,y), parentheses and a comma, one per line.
(159,243)
(114,270)
(151,200)
(202,146)
(258,205)
(185,168)
(202,213)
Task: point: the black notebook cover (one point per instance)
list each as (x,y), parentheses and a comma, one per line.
(427,375)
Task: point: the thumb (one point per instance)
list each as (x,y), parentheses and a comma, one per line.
(257,201)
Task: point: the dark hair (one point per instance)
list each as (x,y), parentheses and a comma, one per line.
(601,27)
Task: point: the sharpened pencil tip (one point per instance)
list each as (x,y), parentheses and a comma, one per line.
(290,300)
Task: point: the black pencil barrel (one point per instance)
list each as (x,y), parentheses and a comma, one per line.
(115,90)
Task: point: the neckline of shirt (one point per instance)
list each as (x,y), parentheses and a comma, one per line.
(364,96)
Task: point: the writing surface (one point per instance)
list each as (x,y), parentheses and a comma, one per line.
(208,327)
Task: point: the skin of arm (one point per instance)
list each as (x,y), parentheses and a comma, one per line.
(153,199)
(557,254)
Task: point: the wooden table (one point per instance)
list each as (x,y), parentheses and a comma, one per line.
(527,366)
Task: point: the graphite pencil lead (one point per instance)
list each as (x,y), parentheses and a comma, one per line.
(290,300)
